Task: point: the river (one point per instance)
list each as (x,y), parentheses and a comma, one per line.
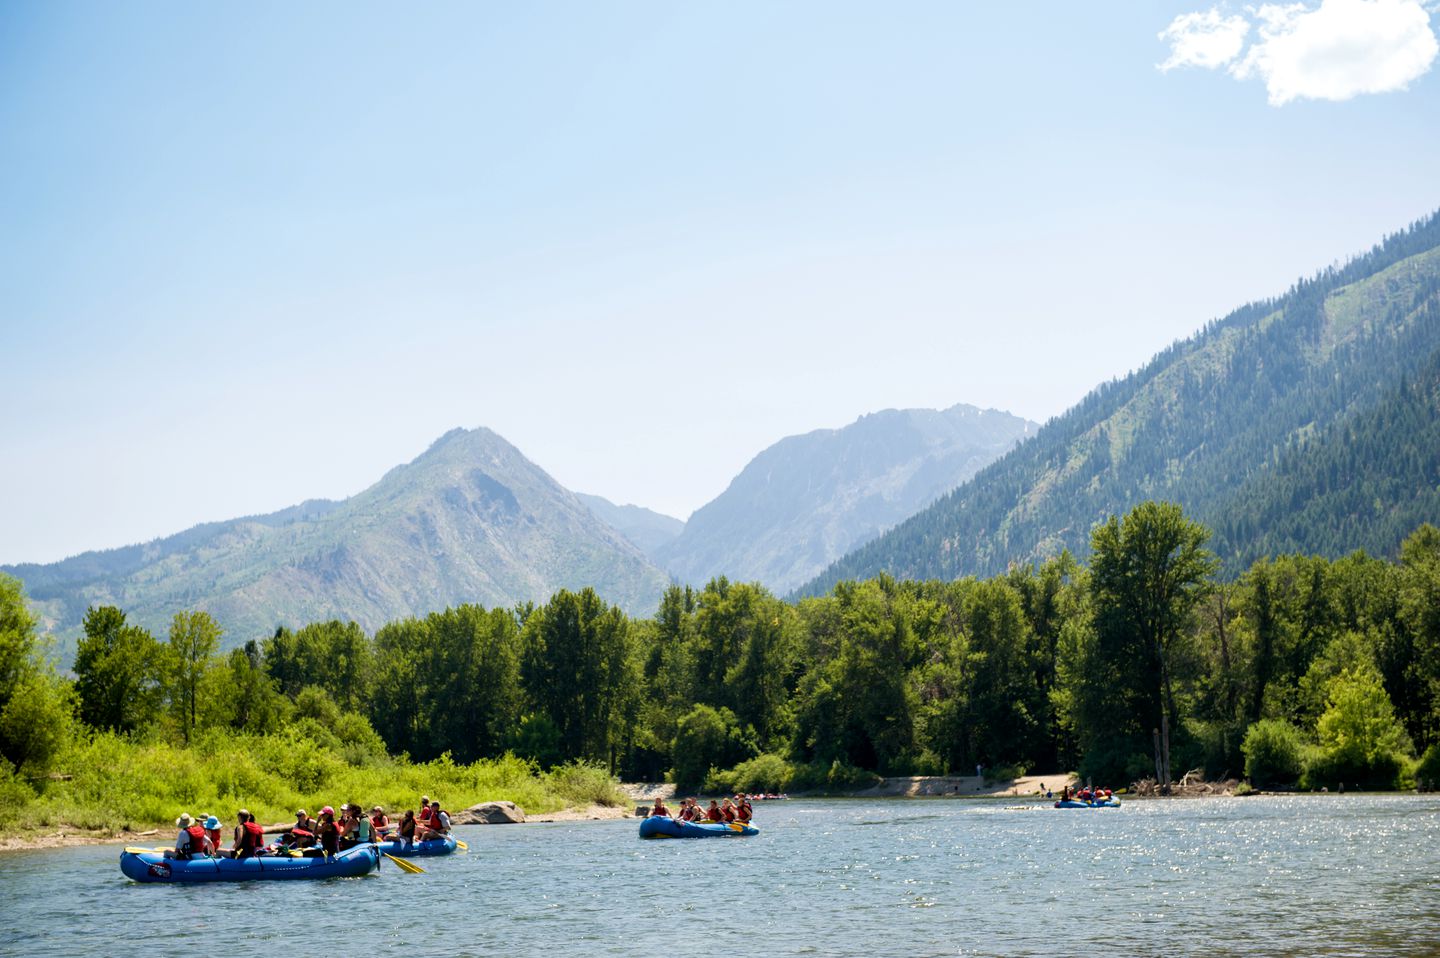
(1304,875)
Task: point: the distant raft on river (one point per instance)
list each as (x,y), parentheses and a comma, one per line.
(1076,803)
(661,826)
(153,866)
(433,846)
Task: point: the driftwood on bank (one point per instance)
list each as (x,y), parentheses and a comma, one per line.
(1191,785)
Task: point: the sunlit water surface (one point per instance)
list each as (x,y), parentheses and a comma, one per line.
(1331,875)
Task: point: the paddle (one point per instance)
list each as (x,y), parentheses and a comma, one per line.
(403,865)
(461,845)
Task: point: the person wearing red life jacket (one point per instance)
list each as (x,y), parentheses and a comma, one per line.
(249,836)
(380,823)
(212,832)
(727,811)
(191,842)
(713,814)
(439,825)
(659,808)
(424,817)
(743,811)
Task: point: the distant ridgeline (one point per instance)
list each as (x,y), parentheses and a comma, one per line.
(1307,424)
(469,520)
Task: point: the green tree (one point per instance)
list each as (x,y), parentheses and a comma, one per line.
(242,695)
(194,637)
(119,672)
(576,669)
(36,705)
(860,705)
(1147,574)
(1360,739)
(707,738)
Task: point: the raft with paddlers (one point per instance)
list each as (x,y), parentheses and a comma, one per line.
(145,865)
(433,846)
(1075,803)
(661,826)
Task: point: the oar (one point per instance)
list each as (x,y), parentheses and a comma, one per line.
(132,850)
(461,845)
(403,865)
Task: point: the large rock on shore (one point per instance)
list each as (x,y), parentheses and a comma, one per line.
(490,813)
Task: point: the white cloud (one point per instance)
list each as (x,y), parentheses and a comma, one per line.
(1333,51)
(1206,39)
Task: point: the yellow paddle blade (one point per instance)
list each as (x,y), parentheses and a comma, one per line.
(461,845)
(132,850)
(403,865)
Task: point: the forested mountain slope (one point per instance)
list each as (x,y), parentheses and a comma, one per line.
(804,501)
(1302,423)
(470,520)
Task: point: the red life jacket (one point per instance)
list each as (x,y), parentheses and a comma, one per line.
(744,812)
(253,837)
(424,816)
(197,839)
(378,822)
(712,814)
(728,813)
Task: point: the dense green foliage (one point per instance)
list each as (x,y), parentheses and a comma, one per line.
(1305,423)
(1304,669)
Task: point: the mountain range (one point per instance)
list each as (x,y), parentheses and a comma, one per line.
(1303,423)
(469,520)
(807,500)
(1309,422)
(473,520)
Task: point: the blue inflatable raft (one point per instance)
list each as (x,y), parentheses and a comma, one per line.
(155,867)
(435,846)
(1072,803)
(658,826)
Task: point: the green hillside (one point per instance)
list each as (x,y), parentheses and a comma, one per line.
(470,520)
(1303,423)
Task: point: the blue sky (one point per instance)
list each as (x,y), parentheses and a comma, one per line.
(251,254)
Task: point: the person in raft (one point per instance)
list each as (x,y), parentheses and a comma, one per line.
(212,832)
(713,813)
(302,833)
(380,823)
(407,829)
(328,832)
(659,808)
(439,825)
(191,842)
(743,811)
(424,816)
(249,836)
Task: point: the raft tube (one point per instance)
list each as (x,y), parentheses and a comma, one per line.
(434,846)
(1072,803)
(659,826)
(155,867)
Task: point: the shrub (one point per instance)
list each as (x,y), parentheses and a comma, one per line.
(1273,753)
(1427,770)
(834,778)
(764,773)
(582,783)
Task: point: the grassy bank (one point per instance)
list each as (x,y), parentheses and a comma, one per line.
(107,784)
